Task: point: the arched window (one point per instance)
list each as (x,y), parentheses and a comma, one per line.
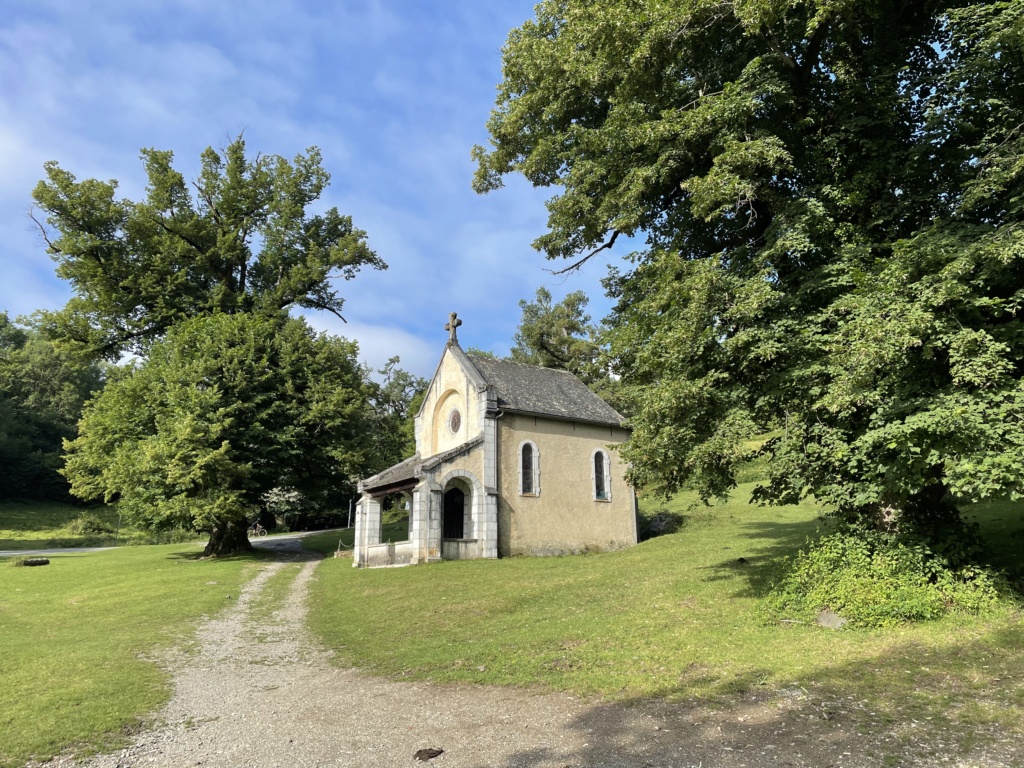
(601,470)
(529,469)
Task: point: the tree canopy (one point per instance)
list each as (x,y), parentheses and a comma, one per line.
(831,195)
(42,392)
(224,410)
(239,238)
(556,335)
(561,335)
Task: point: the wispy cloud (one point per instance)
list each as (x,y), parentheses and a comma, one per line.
(393,94)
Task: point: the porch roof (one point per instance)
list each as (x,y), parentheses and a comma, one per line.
(406,474)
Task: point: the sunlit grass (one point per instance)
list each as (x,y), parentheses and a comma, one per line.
(677,617)
(46,525)
(79,636)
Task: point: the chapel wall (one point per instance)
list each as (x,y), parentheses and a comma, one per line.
(564,517)
(450,389)
(471,463)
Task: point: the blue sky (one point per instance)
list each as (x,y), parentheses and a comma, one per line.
(395,93)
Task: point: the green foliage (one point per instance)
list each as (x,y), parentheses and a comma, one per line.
(42,391)
(878,580)
(89,523)
(658,522)
(557,335)
(395,401)
(225,409)
(832,196)
(561,335)
(243,241)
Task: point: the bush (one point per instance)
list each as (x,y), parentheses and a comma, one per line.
(658,522)
(89,523)
(874,579)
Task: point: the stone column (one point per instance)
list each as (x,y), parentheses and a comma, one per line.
(418,523)
(488,532)
(435,508)
(372,520)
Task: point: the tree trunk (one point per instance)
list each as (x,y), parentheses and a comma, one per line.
(228,538)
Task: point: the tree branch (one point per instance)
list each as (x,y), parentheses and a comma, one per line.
(573,267)
(170,231)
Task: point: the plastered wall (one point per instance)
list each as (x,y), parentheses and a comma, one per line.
(563,517)
(451,389)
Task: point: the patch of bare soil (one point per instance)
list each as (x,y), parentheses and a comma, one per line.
(259,692)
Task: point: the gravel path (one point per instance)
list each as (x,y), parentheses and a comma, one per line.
(259,692)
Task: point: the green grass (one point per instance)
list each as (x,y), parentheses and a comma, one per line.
(76,634)
(674,617)
(327,543)
(46,525)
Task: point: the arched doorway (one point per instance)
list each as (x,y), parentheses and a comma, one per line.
(453,521)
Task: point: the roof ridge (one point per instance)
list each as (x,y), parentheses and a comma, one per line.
(516,362)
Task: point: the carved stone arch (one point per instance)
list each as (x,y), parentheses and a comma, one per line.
(467,481)
(446,401)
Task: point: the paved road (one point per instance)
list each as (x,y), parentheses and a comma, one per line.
(284,541)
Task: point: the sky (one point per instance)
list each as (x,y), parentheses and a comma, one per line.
(395,93)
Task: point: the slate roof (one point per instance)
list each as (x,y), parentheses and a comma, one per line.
(544,392)
(410,468)
(403,470)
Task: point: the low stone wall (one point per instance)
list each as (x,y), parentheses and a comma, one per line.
(460,549)
(391,553)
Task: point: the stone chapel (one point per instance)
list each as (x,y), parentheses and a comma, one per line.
(511,459)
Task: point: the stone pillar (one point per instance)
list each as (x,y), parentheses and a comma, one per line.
(372,520)
(487,534)
(434,512)
(367,528)
(418,522)
(358,545)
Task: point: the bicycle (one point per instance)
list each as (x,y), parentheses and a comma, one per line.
(257,530)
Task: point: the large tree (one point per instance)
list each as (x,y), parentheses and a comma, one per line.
(224,410)
(832,196)
(237,239)
(557,334)
(561,335)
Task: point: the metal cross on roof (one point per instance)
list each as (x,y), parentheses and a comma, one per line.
(450,326)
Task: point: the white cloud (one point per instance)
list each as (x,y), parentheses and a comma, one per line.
(379,343)
(394,95)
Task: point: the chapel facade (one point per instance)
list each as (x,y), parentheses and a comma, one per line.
(511,459)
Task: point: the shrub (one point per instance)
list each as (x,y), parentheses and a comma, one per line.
(658,522)
(874,579)
(89,523)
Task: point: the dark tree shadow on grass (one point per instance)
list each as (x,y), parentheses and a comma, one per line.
(267,551)
(762,563)
(906,705)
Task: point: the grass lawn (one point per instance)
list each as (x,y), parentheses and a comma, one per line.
(674,617)
(76,633)
(327,543)
(45,525)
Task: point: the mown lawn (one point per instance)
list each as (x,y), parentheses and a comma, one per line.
(45,525)
(78,637)
(676,617)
